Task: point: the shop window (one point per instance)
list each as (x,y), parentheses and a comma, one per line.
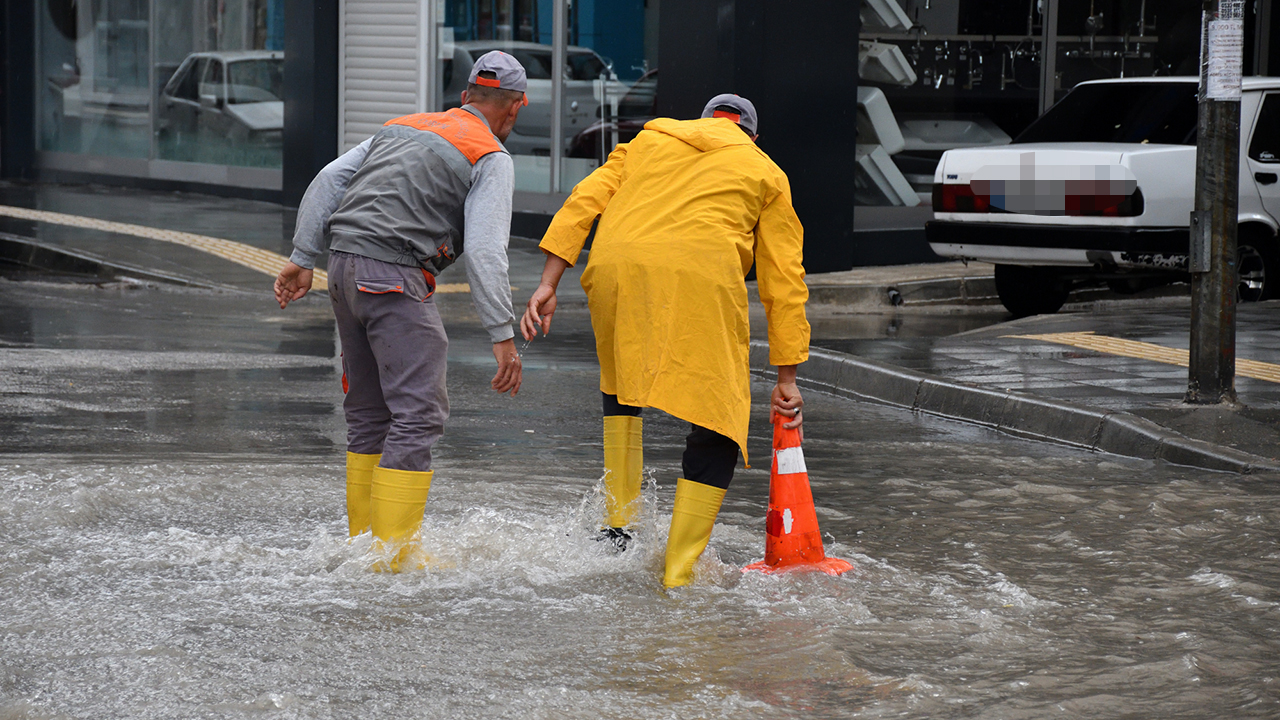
(204,85)
(187,83)
(611,44)
(233,48)
(93,66)
(942,74)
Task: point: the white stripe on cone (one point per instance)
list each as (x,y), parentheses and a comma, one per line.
(790,461)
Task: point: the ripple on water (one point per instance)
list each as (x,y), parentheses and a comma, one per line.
(238,589)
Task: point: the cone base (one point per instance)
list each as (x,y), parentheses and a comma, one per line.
(830,566)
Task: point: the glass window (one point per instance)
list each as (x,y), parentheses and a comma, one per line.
(935,76)
(611,44)
(93,70)
(109,86)
(185,83)
(1265,145)
(254,81)
(586,66)
(611,81)
(537,63)
(1131,112)
(212,85)
(230,52)
(641,99)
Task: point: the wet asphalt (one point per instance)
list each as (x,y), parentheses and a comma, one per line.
(172,539)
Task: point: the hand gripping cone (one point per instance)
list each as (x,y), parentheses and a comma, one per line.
(792,538)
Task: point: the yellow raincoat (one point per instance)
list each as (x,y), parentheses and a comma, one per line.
(685,208)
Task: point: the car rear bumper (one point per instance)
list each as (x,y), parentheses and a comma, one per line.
(1024,244)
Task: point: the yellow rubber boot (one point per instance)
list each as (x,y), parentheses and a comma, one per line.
(399,498)
(359,479)
(623,464)
(692,518)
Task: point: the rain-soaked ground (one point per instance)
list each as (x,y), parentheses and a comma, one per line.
(172,545)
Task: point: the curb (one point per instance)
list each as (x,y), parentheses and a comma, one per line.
(27,252)
(1018,414)
(935,291)
(911,293)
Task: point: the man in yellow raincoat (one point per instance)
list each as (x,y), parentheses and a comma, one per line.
(684,211)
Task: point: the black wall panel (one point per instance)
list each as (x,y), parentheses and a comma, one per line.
(797,62)
(311,92)
(17,94)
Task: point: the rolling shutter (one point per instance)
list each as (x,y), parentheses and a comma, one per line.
(379,73)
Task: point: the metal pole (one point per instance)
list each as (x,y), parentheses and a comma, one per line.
(559,41)
(1048,55)
(425,62)
(1262,39)
(431,67)
(1211,376)
(153,93)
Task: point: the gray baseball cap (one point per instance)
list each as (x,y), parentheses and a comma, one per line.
(510,73)
(739,110)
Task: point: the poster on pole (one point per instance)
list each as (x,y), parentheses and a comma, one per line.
(1225,50)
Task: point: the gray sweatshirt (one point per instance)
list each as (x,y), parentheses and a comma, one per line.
(488,229)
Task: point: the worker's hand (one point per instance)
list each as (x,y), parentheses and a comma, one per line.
(786,400)
(292,283)
(537,315)
(509,368)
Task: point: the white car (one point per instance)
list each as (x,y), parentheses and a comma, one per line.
(1101,189)
(583,74)
(238,95)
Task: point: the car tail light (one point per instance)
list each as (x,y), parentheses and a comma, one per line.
(1105,205)
(959,198)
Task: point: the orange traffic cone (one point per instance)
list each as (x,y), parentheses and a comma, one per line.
(792,538)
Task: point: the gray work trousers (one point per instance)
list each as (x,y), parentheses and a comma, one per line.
(394,351)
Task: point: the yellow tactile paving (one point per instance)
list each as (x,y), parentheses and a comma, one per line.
(264,261)
(1148,351)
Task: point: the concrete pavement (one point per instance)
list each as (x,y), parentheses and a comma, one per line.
(1107,375)
(1103,374)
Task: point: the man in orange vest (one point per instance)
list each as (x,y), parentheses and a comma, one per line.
(396,208)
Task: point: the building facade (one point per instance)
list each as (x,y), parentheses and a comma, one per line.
(857,100)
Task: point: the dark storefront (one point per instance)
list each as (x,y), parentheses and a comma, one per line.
(938,74)
(857,100)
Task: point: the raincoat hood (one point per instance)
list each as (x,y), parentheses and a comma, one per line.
(706,134)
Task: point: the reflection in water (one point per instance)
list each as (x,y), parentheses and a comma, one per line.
(899,324)
(17,327)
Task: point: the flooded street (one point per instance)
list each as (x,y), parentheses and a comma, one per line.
(173,544)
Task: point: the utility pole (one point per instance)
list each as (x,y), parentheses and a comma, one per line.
(1212,261)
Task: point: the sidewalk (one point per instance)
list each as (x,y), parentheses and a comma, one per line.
(1109,376)
(256,225)
(182,238)
(1102,374)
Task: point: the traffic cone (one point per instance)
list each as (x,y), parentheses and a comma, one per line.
(792,538)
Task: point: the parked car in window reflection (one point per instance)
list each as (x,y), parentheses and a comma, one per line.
(638,106)
(234,95)
(588,81)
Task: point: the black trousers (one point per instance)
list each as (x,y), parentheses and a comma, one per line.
(709,457)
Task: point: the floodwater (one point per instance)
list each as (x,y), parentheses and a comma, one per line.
(185,556)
